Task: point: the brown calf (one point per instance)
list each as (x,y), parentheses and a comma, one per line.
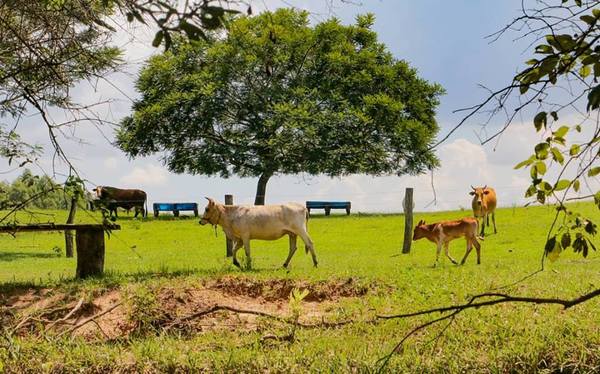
(442,233)
(484,204)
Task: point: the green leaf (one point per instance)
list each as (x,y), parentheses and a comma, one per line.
(584,71)
(590,228)
(562,184)
(565,240)
(540,167)
(541,197)
(588,19)
(554,115)
(557,156)
(561,132)
(546,186)
(576,185)
(594,171)
(544,48)
(530,191)
(158,39)
(540,120)
(574,150)
(594,98)
(597,69)
(550,244)
(541,150)
(596,12)
(578,2)
(523,163)
(562,42)
(523,88)
(533,61)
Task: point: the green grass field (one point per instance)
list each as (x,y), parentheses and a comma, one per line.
(169,253)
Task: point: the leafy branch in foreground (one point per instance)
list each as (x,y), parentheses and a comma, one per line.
(450,312)
(568,60)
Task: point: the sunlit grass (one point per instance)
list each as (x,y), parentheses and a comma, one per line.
(365,247)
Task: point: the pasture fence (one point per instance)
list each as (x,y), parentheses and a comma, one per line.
(408,219)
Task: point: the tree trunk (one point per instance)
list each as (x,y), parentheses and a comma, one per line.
(261,188)
(70,233)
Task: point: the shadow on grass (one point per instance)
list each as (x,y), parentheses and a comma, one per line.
(113,279)
(15,256)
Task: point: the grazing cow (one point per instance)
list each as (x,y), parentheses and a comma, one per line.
(113,198)
(484,205)
(265,222)
(442,233)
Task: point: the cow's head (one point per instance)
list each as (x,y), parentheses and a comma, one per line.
(98,191)
(211,213)
(420,230)
(478,194)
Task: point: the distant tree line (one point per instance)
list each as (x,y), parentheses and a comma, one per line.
(41,192)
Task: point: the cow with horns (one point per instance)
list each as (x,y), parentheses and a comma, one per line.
(484,204)
(113,198)
(264,222)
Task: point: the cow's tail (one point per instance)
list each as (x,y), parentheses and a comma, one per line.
(146,211)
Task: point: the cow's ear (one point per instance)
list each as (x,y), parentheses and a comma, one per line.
(486,192)
(472,193)
(210,201)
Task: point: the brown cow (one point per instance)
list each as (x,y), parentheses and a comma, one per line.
(114,198)
(265,222)
(442,233)
(484,205)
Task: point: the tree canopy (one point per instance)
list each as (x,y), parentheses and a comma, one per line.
(277,95)
(46,47)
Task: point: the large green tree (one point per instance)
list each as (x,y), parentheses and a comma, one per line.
(277,95)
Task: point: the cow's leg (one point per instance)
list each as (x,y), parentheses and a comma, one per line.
(437,254)
(308,244)
(237,244)
(494,222)
(448,253)
(482,234)
(478,249)
(247,250)
(293,246)
(469,248)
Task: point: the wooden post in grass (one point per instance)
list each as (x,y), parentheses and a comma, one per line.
(407,205)
(90,252)
(229,243)
(69,234)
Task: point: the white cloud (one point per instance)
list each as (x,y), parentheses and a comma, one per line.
(111,163)
(149,175)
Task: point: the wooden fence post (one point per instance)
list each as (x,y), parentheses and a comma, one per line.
(69,234)
(90,252)
(407,205)
(229,244)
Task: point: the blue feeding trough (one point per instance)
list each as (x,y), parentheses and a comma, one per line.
(175,208)
(328,205)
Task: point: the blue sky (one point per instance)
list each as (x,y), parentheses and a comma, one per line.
(444,40)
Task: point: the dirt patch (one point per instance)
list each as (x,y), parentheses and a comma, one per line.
(280,289)
(225,304)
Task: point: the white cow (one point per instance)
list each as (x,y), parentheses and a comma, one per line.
(264,222)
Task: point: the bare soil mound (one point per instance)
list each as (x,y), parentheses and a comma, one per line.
(225,304)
